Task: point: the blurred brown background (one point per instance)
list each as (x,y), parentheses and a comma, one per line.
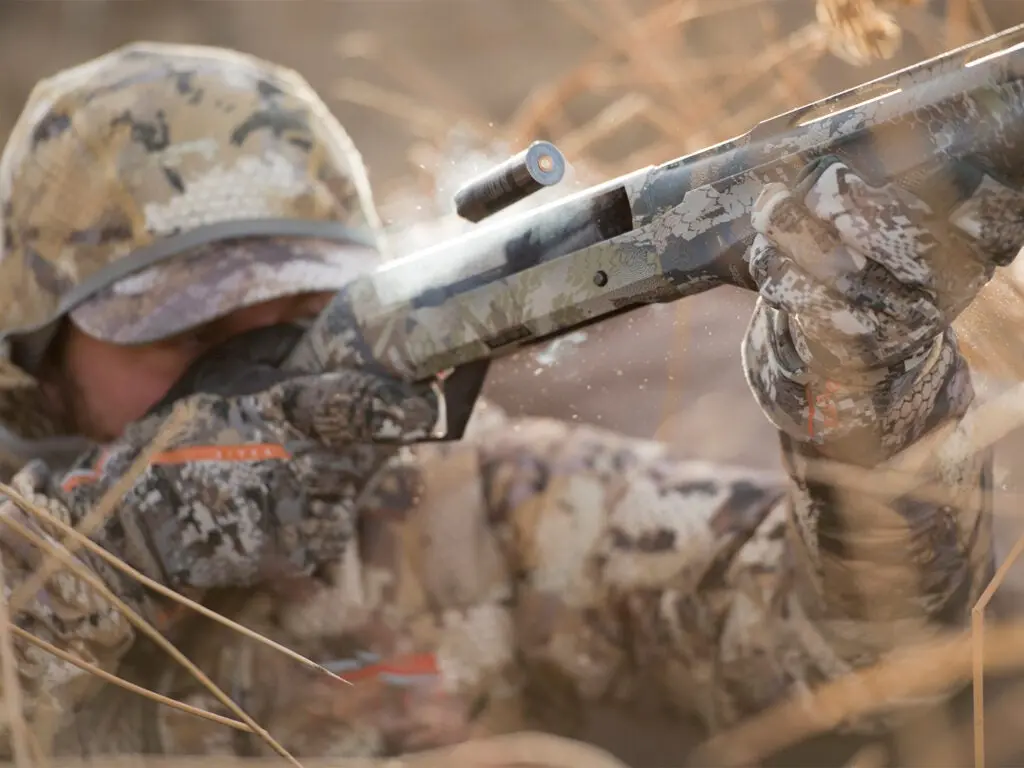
(615,83)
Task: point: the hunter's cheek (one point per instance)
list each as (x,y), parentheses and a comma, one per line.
(153,373)
(118,385)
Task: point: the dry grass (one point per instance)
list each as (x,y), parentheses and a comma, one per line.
(680,74)
(519,750)
(665,79)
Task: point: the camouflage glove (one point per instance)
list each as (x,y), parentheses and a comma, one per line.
(859,286)
(256,485)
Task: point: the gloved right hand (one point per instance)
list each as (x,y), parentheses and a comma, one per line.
(258,484)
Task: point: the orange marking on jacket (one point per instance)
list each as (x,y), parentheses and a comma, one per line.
(826,404)
(414,664)
(228,453)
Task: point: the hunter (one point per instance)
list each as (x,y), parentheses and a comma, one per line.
(162,200)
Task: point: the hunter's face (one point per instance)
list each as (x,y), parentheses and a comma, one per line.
(104,387)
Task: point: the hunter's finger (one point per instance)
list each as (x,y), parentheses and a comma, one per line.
(882,223)
(823,317)
(922,251)
(817,250)
(806,239)
(784,285)
(852,279)
(858,322)
(337,409)
(993,216)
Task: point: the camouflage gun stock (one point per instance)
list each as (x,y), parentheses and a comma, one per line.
(657,234)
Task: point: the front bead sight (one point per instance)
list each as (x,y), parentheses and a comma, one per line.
(539,165)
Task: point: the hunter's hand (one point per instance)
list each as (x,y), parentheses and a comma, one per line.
(253,486)
(850,344)
(868,276)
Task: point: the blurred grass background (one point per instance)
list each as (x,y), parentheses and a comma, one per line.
(432,89)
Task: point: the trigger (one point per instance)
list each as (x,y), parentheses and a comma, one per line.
(460,389)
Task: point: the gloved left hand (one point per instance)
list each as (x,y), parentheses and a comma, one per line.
(263,477)
(867,276)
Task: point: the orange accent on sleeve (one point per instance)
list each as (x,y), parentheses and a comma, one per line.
(228,453)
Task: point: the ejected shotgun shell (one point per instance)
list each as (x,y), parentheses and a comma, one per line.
(539,165)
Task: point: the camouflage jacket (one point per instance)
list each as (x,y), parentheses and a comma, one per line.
(536,569)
